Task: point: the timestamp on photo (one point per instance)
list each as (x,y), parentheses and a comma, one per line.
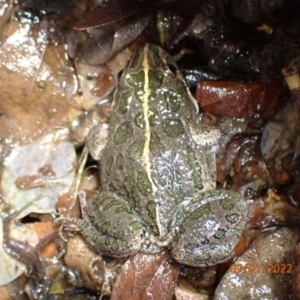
(261,268)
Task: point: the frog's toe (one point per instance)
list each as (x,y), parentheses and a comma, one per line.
(117,230)
(203,252)
(117,247)
(211,230)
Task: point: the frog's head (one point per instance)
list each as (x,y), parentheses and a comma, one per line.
(152,77)
(154,58)
(150,70)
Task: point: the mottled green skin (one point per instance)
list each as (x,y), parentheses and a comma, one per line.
(158,185)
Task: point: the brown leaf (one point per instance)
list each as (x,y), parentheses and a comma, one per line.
(146,277)
(239,99)
(114,11)
(6,293)
(36,90)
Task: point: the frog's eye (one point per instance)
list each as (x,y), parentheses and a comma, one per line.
(171,65)
(172,68)
(120,74)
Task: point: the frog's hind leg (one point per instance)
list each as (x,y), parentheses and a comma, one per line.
(110,226)
(212,226)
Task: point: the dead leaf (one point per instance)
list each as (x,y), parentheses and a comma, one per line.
(239,99)
(5,293)
(146,277)
(86,262)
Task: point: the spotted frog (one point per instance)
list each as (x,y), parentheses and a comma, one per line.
(158,178)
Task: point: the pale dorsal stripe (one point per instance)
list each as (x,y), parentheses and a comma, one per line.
(146,151)
(146,95)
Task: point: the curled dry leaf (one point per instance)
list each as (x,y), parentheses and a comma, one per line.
(242,160)
(273,209)
(145,277)
(281,211)
(239,99)
(88,264)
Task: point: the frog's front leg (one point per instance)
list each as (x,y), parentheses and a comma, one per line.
(204,135)
(212,226)
(110,226)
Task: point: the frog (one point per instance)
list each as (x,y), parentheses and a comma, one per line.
(158,177)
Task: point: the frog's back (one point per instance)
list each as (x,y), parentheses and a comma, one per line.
(152,161)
